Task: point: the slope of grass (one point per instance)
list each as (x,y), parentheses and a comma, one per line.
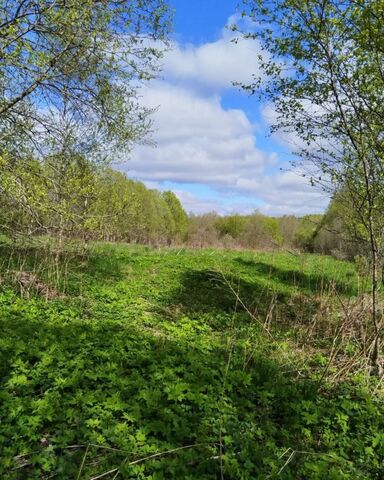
(151,367)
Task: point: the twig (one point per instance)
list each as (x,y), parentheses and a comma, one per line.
(290,458)
(82,463)
(151,457)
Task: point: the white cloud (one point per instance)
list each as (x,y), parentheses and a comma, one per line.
(197,205)
(291,193)
(290,139)
(198,141)
(213,66)
(201,142)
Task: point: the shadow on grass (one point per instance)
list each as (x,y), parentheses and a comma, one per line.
(313,283)
(103,266)
(78,383)
(204,291)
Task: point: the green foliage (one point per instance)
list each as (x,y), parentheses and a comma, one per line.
(304,237)
(262,231)
(148,353)
(232,225)
(332,100)
(69,79)
(178,214)
(78,62)
(81,201)
(339,232)
(255,231)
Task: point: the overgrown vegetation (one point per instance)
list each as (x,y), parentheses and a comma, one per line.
(128,361)
(261,232)
(87,203)
(182,363)
(321,71)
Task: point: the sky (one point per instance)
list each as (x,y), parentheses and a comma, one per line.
(211,140)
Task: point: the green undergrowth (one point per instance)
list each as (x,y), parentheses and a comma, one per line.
(151,367)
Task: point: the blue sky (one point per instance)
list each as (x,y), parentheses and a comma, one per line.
(201,21)
(213,147)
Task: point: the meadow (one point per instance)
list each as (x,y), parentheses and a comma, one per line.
(185,364)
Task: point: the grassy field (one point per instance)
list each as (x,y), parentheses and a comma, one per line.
(185,364)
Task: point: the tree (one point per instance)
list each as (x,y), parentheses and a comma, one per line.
(323,67)
(232,225)
(69,78)
(261,232)
(337,233)
(125,210)
(179,217)
(86,57)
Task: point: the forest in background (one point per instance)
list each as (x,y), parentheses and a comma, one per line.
(84,203)
(70,106)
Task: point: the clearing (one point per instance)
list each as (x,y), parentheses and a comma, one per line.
(186,364)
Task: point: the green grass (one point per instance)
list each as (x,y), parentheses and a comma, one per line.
(150,352)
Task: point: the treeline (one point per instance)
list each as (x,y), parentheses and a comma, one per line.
(125,210)
(330,234)
(255,231)
(70,197)
(70,78)
(340,231)
(80,201)
(58,135)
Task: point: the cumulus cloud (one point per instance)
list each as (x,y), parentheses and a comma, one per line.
(213,66)
(217,65)
(199,141)
(198,205)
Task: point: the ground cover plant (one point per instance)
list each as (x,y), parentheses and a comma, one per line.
(186,364)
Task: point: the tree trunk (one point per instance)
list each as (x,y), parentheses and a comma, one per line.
(375,353)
